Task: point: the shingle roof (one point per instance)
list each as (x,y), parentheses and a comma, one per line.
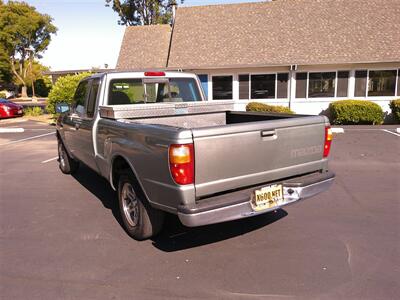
(144,47)
(286,32)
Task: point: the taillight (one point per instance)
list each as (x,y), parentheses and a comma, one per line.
(181,163)
(328,140)
(154,73)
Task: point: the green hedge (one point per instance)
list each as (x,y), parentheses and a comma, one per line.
(63,91)
(256,106)
(395,107)
(33,111)
(347,112)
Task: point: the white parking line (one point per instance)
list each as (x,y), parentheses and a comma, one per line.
(27,139)
(388,131)
(49,160)
(11,130)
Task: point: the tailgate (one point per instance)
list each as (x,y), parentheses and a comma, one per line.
(238,155)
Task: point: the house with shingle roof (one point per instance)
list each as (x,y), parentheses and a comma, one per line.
(298,53)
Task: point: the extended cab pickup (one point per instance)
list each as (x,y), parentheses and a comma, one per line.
(165,149)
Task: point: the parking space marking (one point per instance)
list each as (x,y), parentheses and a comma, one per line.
(388,131)
(49,160)
(27,139)
(11,130)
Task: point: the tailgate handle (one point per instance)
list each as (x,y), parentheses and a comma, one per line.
(268,133)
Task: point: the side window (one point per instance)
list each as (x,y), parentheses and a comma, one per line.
(92,98)
(80,97)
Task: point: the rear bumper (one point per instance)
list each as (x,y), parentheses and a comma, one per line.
(236,205)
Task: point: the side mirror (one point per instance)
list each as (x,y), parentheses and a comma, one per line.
(62,108)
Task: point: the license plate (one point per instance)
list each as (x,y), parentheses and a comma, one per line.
(267,197)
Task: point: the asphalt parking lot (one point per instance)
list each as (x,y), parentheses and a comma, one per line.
(61,237)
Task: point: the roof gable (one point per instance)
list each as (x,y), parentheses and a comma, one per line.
(286,32)
(144,47)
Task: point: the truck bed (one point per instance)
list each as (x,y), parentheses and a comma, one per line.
(210,119)
(239,149)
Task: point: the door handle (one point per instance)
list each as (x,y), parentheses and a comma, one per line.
(268,133)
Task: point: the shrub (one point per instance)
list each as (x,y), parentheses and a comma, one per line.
(395,107)
(355,112)
(33,111)
(256,106)
(63,91)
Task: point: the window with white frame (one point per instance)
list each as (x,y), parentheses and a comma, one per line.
(375,83)
(398,82)
(282,85)
(342,83)
(382,83)
(244,86)
(322,84)
(263,86)
(222,87)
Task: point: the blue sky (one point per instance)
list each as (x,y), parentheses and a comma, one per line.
(88,34)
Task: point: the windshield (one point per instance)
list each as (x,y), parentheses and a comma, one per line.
(136,91)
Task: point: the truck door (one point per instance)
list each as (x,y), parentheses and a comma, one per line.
(80,122)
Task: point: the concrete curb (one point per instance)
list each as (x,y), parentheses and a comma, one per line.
(337,130)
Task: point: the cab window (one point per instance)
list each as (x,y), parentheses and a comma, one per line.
(80,98)
(91,105)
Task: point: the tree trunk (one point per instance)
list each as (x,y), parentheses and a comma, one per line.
(33,89)
(24,93)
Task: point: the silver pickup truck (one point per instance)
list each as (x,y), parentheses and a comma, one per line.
(165,149)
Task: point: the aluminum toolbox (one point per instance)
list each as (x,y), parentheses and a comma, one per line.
(132,111)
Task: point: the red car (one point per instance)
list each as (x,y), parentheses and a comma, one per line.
(9,109)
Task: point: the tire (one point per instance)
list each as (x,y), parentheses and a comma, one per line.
(140,220)
(67,164)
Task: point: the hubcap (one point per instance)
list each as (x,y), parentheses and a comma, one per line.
(130,204)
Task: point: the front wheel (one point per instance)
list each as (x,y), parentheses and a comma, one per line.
(66,163)
(141,221)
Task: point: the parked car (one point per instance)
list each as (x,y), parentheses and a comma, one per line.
(10,109)
(164,148)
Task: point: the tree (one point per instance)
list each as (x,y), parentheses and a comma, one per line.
(143,12)
(24,34)
(63,91)
(5,68)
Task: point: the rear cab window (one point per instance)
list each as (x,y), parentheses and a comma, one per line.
(153,90)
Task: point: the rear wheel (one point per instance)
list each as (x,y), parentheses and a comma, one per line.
(141,221)
(66,163)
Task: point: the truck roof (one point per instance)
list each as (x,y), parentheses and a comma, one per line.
(144,74)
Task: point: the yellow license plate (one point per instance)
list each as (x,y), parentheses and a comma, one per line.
(267,197)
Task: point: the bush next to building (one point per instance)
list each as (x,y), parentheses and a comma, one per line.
(395,107)
(63,91)
(261,107)
(358,112)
